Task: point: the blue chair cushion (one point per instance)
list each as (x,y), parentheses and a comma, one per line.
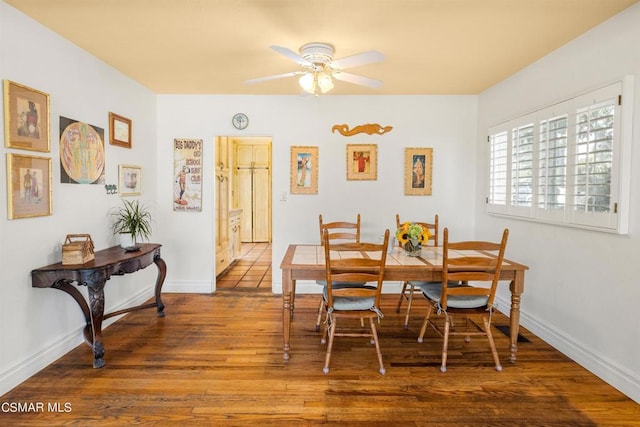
(456,301)
(350,303)
(430,286)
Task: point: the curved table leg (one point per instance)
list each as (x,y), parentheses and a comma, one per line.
(72,290)
(93,315)
(96,301)
(162,273)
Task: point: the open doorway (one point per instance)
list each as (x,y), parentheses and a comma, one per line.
(246,189)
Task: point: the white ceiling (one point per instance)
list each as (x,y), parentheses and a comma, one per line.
(213,46)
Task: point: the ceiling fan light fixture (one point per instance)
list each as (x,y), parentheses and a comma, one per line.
(325,82)
(320,68)
(308,82)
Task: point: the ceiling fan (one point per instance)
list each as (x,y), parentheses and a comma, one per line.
(320,69)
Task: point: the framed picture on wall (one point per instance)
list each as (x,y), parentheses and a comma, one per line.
(119,130)
(82,155)
(304,170)
(362,162)
(29,186)
(187,172)
(129,180)
(418,163)
(26,117)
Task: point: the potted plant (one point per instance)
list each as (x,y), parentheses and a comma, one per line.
(131,221)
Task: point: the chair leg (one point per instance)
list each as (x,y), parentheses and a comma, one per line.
(409,302)
(320,312)
(445,345)
(402,296)
(425,323)
(492,344)
(331,326)
(374,332)
(325,332)
(467,338)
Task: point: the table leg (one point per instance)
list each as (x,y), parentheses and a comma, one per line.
(286,311)
(72,290)
(96,301)
(162,273)
(517,287)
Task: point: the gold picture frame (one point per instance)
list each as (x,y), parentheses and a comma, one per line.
(304,170)
(418,164)
(26,117)
(362,162)
(29,182)
(129,180)
(119,130)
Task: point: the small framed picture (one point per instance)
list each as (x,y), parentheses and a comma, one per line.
(417,171)
(26,117)
(362,162)
(119,130)
(29,186)
(304,170)
(129,180)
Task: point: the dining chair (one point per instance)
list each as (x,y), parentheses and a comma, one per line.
(414,286)
(341,232)
(478,264)
(353,262)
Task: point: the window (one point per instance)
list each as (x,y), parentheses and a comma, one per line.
(565,164)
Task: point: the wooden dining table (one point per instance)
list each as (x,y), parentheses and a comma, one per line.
(306,262)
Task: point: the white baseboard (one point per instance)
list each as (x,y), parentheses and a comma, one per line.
(187,287)
(52,351)
(618,377)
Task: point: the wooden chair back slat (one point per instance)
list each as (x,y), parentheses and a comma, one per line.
(482,273)
(355,262)
(341,230)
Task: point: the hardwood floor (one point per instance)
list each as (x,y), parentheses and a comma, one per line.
(217,360)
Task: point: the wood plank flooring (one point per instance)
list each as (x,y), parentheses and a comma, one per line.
(217,360)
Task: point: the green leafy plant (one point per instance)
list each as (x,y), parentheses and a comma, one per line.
(132,218)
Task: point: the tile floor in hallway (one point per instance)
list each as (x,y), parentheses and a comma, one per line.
(251,271)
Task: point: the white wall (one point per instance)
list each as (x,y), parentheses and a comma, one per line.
(582,292)
(40,325)
(445,123)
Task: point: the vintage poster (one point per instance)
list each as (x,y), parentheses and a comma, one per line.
(187,172)
(81,153)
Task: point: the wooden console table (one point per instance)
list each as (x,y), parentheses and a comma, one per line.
(94,274)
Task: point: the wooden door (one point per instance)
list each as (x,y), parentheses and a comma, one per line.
(253,189)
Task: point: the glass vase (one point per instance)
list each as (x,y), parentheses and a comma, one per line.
(413,247)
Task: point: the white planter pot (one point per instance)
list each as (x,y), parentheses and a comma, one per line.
(127,240)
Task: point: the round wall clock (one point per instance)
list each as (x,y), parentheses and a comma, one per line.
(240,121)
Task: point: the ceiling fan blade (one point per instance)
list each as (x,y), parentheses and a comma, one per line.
(357,60)
(292,55)
(276,76)
(357,80)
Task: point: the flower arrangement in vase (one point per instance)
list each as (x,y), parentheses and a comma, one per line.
(412,236)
